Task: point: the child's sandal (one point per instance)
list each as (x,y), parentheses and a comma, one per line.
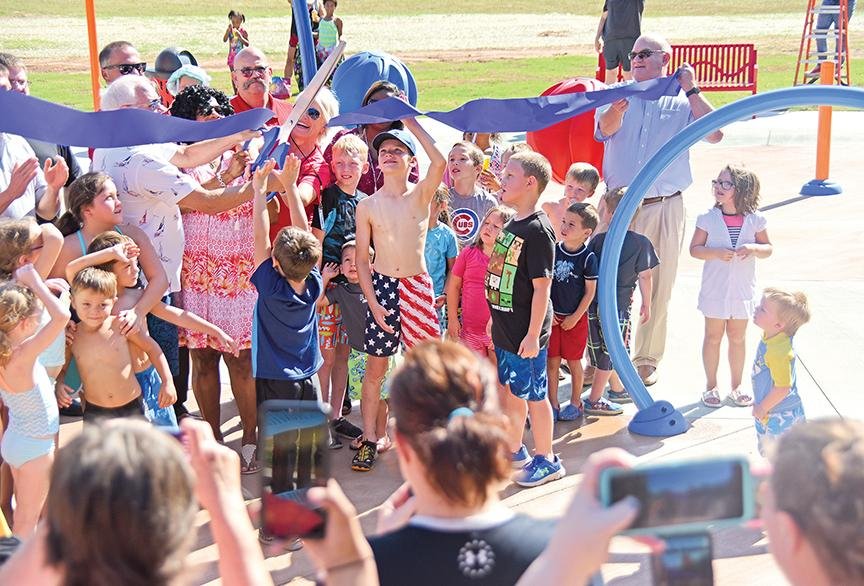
(740,398)
(711,398)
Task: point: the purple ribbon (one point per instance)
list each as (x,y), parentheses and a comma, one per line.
(512,114)
(34,118)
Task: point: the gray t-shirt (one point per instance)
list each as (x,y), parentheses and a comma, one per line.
(352,303)
(466,213)
(624,20)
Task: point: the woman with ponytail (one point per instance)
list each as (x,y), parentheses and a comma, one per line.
(93,208)
(451,440)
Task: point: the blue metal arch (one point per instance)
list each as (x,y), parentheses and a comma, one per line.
(660,418)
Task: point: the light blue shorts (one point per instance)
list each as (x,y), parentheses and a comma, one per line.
(777,424)
(150,383)
(19,449)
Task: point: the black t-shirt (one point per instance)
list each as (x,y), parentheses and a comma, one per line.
(493,556)
(46,150)
(637,255)
(572,269)
(524,250)
(336,216)
(624,20)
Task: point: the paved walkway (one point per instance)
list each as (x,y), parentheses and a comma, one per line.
(817,250)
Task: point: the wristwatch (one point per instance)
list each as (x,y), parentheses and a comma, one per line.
(693,91)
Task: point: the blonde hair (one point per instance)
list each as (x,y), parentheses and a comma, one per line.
(442,195)
(535,165)
(818,480)
(296,251)
(16,240)
(505,212)
(584,173)
(97,280)
(352,145)
(746,185)
(17,303)
(792,308)
(472,150)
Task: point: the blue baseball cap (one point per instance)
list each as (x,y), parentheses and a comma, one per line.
(400,135)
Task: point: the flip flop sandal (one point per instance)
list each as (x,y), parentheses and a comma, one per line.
(711,398)
(384,444)
(248,462)
(740,398)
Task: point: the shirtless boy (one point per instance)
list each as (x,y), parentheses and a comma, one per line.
(108,360)
(398,288)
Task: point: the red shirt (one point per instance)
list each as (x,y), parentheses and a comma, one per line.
(282,108)
(314,171)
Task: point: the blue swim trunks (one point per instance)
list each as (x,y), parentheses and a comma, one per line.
(525,376)
(776,425)
(150,382)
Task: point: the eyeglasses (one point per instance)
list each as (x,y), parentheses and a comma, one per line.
(724,185)
(128,68)
(249,71)
(643,54)
(314,114)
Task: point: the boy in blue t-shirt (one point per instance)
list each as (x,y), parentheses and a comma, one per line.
(574,283)
(285,354)
(441,250)
(777,406)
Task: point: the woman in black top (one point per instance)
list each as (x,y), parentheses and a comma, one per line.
(451,439)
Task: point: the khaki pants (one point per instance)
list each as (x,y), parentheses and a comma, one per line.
(663,224)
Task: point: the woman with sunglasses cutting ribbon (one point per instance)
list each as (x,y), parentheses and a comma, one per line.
(372,179)
(215,278)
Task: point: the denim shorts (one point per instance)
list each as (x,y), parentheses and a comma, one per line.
(166,335)
(526,377)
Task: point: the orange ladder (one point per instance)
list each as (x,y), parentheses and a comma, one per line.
(809,58)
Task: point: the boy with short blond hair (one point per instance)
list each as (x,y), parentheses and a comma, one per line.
(518,283)
(106,359)
(580,183)
(777,405)
(574,284)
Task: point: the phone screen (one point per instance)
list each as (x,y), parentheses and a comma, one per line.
(684,561)
(294,435)
(696,492)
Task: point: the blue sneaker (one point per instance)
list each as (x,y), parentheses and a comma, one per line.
(619,396)
(520,458)
(570,413)
(540,471)
(602,406)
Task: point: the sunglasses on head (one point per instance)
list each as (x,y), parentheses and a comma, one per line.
(250,71)
(643,54)
(129,68)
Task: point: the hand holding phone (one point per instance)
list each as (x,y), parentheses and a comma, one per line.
(294,442)
(683,497)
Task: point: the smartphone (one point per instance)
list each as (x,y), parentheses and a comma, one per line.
(683,497)
(684,560)
(294,436)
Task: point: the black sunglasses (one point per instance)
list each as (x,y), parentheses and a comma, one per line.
(129,68)
(314,114)
(643,54)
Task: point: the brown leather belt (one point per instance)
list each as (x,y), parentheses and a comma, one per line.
(649,200)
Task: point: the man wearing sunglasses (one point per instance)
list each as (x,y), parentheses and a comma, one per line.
(118,59)
(252,76)
(633,130)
